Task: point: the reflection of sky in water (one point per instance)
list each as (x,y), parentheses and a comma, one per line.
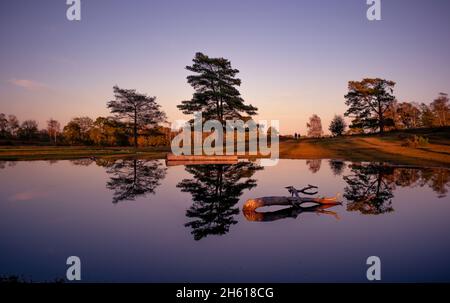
(51,211)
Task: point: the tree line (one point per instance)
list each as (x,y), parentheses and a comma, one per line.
(373,107)
(138,120)
(103,131)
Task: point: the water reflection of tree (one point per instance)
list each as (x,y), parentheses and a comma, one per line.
(3,164)
(437,179)
(215,191)
(314,165)
(337,167)
(82,162)
(368,189)
(132,178)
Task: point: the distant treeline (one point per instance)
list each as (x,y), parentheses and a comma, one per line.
(373,107)
(103,131)
(111,131)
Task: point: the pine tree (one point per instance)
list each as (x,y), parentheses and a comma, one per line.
(216,95)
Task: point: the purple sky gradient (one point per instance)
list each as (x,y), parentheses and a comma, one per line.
(295,57)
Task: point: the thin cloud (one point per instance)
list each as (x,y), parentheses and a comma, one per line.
(27,196)
(28,84)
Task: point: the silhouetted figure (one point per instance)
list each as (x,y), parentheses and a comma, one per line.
(215,191)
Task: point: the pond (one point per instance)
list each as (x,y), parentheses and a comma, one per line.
(139,220)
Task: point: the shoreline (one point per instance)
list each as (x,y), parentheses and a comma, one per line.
(386,148)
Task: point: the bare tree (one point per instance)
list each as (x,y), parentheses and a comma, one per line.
(13,125)
(314,126)
(53,128)
(3,125)
(427,116)
(28,129)
(441,109)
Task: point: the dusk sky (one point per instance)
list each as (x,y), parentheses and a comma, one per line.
(295,57)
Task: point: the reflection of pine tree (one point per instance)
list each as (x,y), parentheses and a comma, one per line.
(132,178)
(368,189)
(215,190)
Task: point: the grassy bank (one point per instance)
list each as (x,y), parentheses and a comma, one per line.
(384,148)
(76,152)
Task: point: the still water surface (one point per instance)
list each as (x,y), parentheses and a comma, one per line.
(143,221)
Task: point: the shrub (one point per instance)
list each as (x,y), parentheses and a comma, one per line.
(415,141)
(146,141)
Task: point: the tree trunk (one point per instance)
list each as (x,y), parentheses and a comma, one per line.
(135,129)
(135,171)
(381,119)
(381,125)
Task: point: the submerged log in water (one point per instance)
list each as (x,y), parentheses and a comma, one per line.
(250,207)
(253,204)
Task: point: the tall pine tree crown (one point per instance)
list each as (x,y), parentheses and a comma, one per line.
(216,95)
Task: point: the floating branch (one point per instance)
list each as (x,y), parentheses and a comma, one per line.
(304,190)
(295,192)
(321,204)
(291,212)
